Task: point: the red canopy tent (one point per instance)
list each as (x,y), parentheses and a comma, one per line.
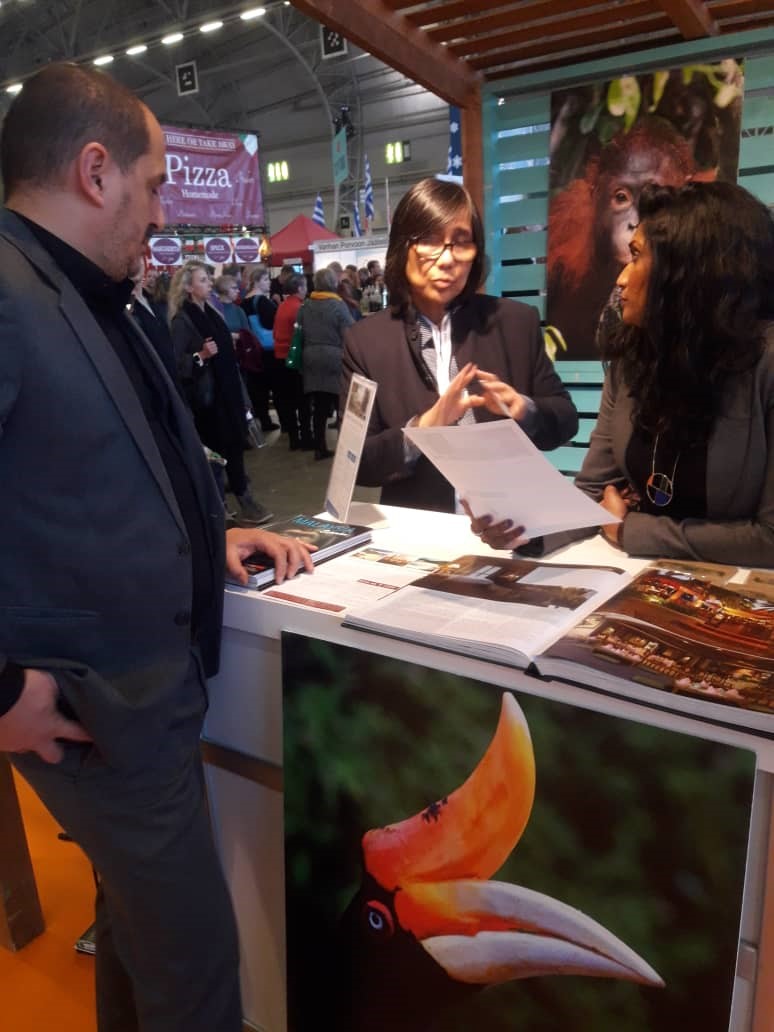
(293,241)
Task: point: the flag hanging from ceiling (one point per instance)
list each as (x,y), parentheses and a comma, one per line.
(454,161)
(318,215)
(369,191)
(357,228)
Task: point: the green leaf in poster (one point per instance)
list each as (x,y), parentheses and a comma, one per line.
(589,119)
(660,79)
(623,99)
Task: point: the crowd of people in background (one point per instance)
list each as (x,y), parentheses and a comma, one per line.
(259,314)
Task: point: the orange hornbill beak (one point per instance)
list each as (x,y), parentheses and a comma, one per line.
(483,932)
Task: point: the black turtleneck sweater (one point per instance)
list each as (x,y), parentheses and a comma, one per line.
(107,301)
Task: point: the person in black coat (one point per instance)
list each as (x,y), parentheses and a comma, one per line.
(208,371)
(152,322)
(444,354)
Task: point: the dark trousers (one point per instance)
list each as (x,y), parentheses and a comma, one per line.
(261,386)
(293,406)
(167,953)
(209,426)
(322,406)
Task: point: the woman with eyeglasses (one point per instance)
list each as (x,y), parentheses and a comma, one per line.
(443,354)
(683,450)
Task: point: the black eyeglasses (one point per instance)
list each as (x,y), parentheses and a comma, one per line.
(429,250)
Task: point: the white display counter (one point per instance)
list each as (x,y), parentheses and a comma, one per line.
(243,749)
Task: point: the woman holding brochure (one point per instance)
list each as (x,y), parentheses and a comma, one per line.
(683,450)
(443,354)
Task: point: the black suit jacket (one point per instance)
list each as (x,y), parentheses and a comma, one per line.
(501,336)
(158,333)
(96,578)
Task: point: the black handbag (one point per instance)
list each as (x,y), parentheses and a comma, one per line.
(203,387)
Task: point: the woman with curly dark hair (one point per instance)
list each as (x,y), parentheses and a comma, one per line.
(683,450)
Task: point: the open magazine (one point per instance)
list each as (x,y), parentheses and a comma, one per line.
(675,639)
(506,610)
(671,637)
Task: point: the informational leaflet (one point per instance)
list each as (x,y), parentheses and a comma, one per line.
(352,435)
(356,579)
(499,472)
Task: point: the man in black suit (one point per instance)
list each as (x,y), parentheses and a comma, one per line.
(111,581)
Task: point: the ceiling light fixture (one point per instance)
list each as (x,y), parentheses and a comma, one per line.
(15,87)
(173,37)
(211,26)
(138,48)
(253,12)
(103,59)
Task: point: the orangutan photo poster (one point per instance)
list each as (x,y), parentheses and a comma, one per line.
(608,139)
(459,856)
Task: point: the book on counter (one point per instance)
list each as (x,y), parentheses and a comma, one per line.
(330,537)
(678,638)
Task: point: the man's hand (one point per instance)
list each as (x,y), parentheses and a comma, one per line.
(289,554)
(496,535)
(455,400)
(34,723)
(500,398)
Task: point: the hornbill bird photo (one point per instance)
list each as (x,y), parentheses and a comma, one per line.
(428,927)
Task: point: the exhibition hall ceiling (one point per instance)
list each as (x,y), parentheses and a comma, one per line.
(264,74)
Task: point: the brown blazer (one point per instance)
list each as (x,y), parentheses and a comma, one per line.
(501,336)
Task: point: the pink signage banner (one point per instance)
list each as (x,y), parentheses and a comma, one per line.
(212,179)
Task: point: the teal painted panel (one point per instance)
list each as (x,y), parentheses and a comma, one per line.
(521,111)
(522,245)
(759,71)
(523,277)
(757,151)
(585,427)
(761,185)
(567,459)
(586,399)
(581,372)
(536,300)
(757,111)
(530,212)
(521,148)
(523,181)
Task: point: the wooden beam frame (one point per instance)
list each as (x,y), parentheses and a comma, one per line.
(388,36)
(21,918)
(691,17)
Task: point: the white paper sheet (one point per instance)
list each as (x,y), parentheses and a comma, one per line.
(499,472)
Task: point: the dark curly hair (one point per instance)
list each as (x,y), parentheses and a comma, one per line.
(711,286)
(423,211)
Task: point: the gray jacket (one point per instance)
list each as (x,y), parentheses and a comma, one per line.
(323,320)
(739,528)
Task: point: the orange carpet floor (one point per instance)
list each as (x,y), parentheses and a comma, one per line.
(47,986)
